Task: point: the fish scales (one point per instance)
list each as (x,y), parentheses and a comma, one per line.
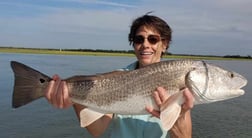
(137,83)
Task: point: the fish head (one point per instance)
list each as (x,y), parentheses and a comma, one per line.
(211,83)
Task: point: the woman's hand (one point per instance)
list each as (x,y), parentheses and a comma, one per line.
(57,93)
(183,126)
(160,95)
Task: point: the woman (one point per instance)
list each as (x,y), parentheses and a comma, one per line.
(150,37)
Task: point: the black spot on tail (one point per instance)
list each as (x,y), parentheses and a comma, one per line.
(42,80)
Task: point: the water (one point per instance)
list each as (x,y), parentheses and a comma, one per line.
(231,118)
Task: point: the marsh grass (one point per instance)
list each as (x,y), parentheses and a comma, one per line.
(86,53)
(59,52)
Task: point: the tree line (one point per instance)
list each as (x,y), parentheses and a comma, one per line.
(168,53)
(127,51)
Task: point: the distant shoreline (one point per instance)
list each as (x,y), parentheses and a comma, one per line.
(88,52)
(58,52)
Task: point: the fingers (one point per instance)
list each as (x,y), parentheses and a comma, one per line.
(153,112)
(66,98)
(57,93)
(189,100)
(51,88)
(160,95)
(56,99)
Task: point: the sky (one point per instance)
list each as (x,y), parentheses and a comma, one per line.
(213,27)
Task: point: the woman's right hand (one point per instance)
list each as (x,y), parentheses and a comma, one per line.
(57,93)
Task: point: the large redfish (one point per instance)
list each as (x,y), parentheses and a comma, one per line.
(129,92)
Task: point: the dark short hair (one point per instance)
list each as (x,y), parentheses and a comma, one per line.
(153,22)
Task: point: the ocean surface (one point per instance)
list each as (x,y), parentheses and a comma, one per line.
(226,119)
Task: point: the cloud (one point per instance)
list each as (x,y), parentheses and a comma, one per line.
(104,3)
(202,25)
(99,4)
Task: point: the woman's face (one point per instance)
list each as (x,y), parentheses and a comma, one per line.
(148,46)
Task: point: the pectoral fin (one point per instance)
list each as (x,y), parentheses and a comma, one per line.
(170,110)
(88,116)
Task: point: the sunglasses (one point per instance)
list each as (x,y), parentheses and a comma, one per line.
(152,39)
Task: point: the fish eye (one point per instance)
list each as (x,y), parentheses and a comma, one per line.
(231,75)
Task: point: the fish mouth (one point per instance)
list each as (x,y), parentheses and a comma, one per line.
(242,84)
(239,91)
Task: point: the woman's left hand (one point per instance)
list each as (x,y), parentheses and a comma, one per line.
(160,95)
(183,126)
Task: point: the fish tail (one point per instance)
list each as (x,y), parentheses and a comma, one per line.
(29,84)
